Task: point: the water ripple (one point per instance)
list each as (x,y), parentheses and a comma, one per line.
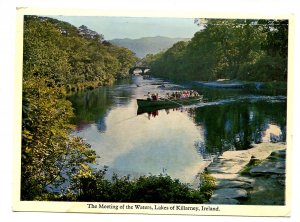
(249,98)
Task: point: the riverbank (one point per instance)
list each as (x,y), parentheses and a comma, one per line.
(250,177)
(239,84)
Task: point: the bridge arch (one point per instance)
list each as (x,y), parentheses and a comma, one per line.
(144,69)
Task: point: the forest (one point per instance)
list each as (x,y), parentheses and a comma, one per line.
(59,58)
(234,49)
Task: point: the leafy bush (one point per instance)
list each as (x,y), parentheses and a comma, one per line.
(145,189)
(50,156)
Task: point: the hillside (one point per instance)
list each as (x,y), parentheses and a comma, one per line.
(147,45)
(235,49)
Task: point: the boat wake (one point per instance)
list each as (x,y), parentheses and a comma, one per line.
(247,98)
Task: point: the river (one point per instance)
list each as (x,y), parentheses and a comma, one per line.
(178,142)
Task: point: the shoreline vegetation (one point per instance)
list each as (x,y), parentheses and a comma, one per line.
(237,84)
(144,189)
(223,49)
(59,58)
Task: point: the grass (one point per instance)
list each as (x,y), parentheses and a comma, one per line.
(252,163)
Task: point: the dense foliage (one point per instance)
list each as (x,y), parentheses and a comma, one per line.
(70,56)
(50,156)
(145,189)
(253,50)
(58,57)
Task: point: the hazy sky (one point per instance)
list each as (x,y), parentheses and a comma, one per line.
(134,27)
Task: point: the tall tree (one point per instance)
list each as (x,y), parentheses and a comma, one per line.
(56,55)
(233,49)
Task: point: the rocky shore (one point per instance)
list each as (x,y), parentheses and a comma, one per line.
(250,177)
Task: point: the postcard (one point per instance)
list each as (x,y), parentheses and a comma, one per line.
(153,114)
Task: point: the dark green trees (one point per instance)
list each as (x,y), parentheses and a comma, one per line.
(254,50)
(71,56)
(58,57)
(145,189)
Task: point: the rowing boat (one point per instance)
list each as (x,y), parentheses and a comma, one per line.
(145,105)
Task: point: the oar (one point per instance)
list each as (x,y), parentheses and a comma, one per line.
(125,120)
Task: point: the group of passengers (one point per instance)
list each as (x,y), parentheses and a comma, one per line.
(183,94)
(174,95)
(153,96)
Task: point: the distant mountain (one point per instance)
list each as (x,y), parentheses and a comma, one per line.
(147,45)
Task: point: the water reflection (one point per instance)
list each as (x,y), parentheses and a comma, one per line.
(237,125)
(174,141)
(134,145)
(101,124)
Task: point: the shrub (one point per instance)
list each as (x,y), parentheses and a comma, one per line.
(145,189)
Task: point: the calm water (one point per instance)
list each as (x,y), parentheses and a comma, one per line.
(179,142)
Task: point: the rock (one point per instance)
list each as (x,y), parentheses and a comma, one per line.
(223,201)
(230,193)
(228,166)
(278,155)
(263,150)
(233,184)
(232,177)
(274,164)
(269,167)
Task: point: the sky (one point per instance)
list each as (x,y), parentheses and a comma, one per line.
(135,27)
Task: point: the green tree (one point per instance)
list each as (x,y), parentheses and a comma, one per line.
(145,189)
(50,156)
(41,56)
(71,56)
(90,34)
(242,49)
(56,57)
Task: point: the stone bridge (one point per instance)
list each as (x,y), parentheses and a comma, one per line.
(142,68)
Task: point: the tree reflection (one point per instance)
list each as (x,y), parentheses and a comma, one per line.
(93,106)
(236,126)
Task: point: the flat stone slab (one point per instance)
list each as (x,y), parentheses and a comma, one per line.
(232,176)
(228,166)
(269,168)
(263,150)
(234,161)
(230,193)
(224,201)
(233,184)
(279,153)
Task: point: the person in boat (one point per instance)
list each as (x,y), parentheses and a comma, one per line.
(149,96)
(154,97)
(173,96)
(192,94)
(196,94)
(182,95)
